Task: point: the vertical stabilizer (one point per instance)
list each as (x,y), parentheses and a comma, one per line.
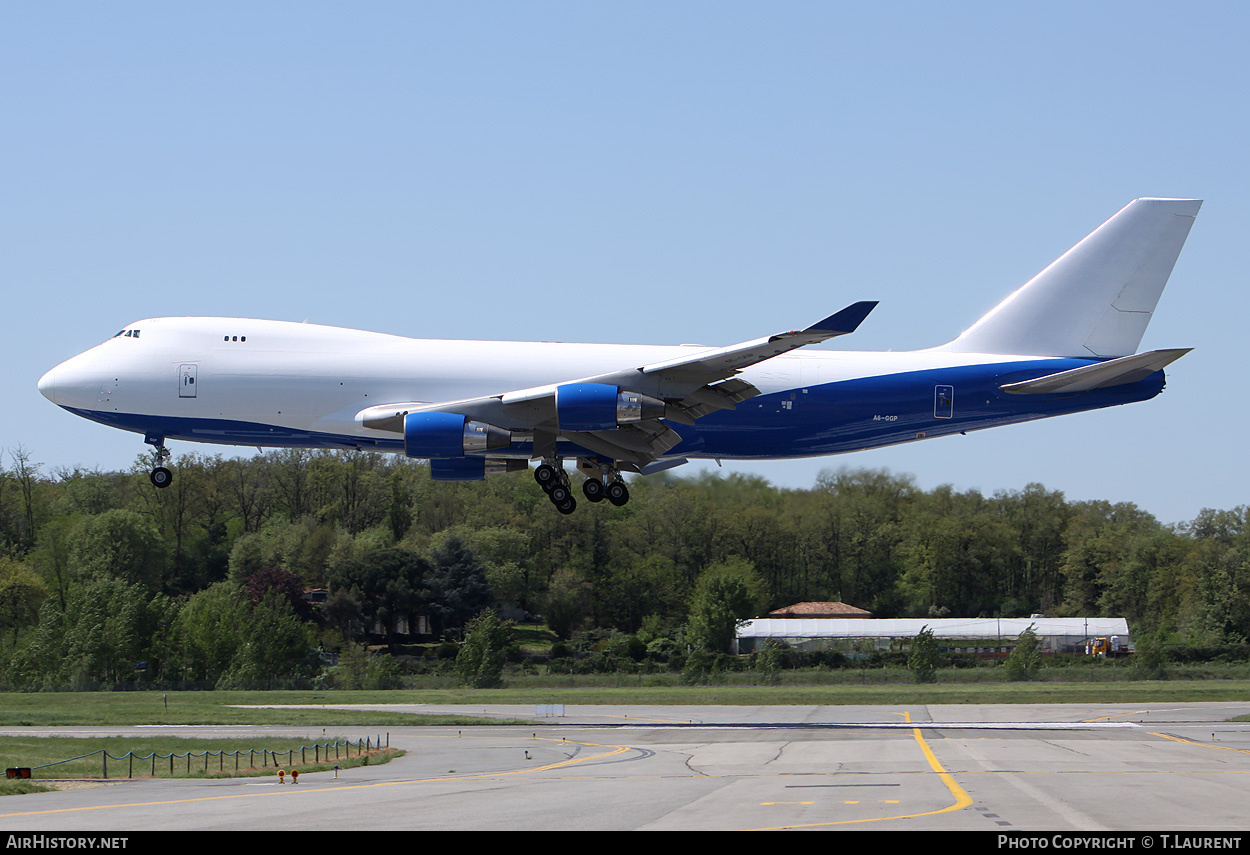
(1098,297)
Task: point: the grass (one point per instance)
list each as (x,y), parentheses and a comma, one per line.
(22,787)
(135,708)
(59,757)
(147,708)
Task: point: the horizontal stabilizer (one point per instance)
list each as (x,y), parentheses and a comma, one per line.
(1115,372)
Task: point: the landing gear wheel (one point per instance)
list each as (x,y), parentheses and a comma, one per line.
(593,490)
(559,493)
(618,493)
(567,506)
(161,477)
(546,476)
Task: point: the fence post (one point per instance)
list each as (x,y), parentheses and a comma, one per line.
(104,755)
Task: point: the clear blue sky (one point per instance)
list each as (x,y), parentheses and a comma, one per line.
(631,172)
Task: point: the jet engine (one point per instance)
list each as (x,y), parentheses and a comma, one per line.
(596,406)
(446,435)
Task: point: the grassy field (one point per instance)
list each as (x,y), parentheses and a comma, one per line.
(146,708)
(145,756)
(57,758)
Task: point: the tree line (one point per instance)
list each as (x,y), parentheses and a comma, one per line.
(104,579)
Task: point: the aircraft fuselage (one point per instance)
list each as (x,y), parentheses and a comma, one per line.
(280,384)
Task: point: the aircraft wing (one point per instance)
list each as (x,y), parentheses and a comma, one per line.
(690,386)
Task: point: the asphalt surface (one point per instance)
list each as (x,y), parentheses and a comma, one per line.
(1009,768)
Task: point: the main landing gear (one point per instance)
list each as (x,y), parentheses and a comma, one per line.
(555,483)
(160,476)
(607,484)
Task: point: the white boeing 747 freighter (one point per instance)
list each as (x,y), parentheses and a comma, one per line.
(1064,342)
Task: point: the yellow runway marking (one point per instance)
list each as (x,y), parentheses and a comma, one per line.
(1118,715)
(292,791)
(1201,744)
(962,799)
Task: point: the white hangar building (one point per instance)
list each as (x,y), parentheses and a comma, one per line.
(969,635)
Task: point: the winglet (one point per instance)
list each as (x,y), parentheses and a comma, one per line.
(845,321)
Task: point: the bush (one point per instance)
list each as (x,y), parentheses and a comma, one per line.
(923,658)
(1026,657)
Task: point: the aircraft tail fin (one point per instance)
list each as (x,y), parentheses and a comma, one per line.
(1098,297)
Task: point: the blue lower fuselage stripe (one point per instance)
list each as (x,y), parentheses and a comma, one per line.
(832,418)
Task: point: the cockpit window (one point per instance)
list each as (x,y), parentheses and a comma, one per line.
(127,333)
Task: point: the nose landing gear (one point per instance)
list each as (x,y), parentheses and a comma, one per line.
(160,476)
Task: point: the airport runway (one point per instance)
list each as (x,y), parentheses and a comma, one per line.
(1003,768)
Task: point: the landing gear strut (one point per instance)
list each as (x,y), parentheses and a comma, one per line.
(160,476)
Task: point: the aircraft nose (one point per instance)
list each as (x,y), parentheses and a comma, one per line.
(47,385)
(76,382)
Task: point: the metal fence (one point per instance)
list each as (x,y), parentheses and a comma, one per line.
(317,752)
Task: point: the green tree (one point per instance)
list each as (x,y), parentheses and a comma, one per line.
(21,593)
(725,596)
(567,602)
(118,544)
(208,632)
(456,586)
(100,636)
(382,588)
(276,648)
(482,655)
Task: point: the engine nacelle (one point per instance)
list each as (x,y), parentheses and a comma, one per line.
(446,435)
(596,406)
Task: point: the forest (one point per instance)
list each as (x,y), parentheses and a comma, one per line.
(106,581)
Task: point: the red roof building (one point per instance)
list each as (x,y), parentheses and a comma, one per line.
(819,610)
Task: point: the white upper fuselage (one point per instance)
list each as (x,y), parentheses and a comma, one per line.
(308,377)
